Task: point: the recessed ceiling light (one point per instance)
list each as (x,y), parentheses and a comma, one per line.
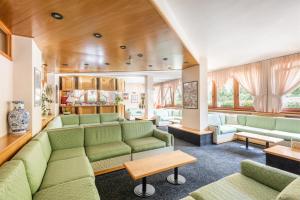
(165,58)
(140,55)
(123,47)
(57,15)
(86,64)
(106,63)
(128,63)
(97,35)
(149,65)
(185,62)
(64,64)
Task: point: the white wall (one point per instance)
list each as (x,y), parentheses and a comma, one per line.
(6,88)
(132,88)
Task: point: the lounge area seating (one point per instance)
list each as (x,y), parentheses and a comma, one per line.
(165,117)
(255,182)
(226,125)
(132,113)
(60,163)
(66,121)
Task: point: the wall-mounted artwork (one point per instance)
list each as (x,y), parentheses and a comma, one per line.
(190,95)
(134,98)
(125,96)
(37,87)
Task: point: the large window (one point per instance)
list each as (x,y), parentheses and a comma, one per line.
(225,95)
(210,93)
(292,100)
(245,98)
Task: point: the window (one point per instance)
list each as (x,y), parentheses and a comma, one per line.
(225,95)
(178,95)
(209,93)
(245,98)
(292,99)
(5,41)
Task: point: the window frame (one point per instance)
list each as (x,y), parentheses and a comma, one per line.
(8,42)
(291,110)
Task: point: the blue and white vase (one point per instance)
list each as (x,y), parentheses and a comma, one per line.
(18,118)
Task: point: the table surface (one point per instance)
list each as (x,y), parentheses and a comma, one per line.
(259,137)
(283,151)
(190,130)
(145,118)
(155,164)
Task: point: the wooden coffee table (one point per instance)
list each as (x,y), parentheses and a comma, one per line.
(262,138)
(142,168)
(283,157)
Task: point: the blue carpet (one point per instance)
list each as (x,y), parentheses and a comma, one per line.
(214,162)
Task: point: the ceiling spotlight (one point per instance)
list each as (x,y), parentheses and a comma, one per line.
(64,64)
(140,55)
(185,62)
(57,15)
(123,47)
(149,65)
(97,35)
(129,60)
(165,58)
(128,63)
(106,63)
(86,64)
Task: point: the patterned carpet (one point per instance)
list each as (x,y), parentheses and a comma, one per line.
(214,162)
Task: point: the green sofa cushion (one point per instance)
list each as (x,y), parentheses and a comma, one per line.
(252,129)
(62,171)
(70,120)
(89,119)
(136,129)
(80,189)
(242,119)
(66,138)
(35,163)
(67,153)
(224,129)
(235,187)
(146,143)
(164,136)
(45,144)
(232,119)
(288,125)
(108,150)
(284,135)
(261,122)
(291,192)
(109,117)
(269,176)
(95,135)
(13,181)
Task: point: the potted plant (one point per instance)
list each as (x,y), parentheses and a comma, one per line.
(47,100)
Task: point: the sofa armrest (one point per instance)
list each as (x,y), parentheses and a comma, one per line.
(121,119)
(164,136)
(269,176)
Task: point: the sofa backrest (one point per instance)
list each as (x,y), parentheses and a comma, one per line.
(288,125)
(89,119)
(13,181)
(261,122)
(43,139)
(109,117)
(136,129)
(94,135)
(242,119)
(231,119)
(69,120)
(66,138)
(214,119)
(35,163)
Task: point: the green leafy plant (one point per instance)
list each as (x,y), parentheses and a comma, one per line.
(46,99)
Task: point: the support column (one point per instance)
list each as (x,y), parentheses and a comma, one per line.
(149,90)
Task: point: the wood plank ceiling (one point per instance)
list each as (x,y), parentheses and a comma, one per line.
(68,45)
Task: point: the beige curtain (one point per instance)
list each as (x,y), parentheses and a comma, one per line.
(285,76)
(220,77)
(253,78)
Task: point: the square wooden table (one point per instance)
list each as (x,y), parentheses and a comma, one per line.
(142,168)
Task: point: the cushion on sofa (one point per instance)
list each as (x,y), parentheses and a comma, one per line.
(231,119)
(261,122)
(269,176)
(109,117)
(164,136)
(43,139)
(227,129)
(284,135)
(67,153)
(35,163)
(80,189)
(62,171)
(108,150)
(136,129)
(89,119)
(214,119)
(144,144)
(288,125)
(234,187)
(66,138)
(291,192)
(252,129)
(95,135)
(13,181)
(242,119)
(70,120)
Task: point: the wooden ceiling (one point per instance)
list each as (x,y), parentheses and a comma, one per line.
(134,23)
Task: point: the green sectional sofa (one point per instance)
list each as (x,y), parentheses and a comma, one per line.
(226,125)
(66,121)
(255,182)
(60,163)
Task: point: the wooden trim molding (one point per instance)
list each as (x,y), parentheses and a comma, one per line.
(8,45)
(10,145)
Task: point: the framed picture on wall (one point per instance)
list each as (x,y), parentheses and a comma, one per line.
(134,98)
(190,95)
(37,87)
(125,96)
